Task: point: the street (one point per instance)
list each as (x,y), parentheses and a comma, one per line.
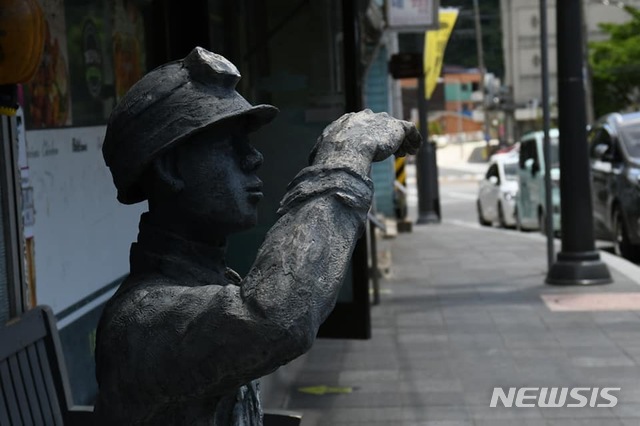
(458,194)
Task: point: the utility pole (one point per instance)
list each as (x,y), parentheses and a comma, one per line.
(588,82)
(578,262)
(411,65)
(483,71)
(546,120)
(426,165)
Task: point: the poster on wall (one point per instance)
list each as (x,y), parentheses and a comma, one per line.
(90,60)
(94,52)
(47,95)
(128,45)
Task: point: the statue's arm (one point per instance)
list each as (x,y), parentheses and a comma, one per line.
(295,280)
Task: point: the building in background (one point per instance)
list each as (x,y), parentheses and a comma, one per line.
(521,44)
(462,97)
(456,105)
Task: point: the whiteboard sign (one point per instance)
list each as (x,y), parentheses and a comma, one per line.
(82,234)
(412,15)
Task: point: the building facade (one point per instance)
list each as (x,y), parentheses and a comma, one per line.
(522,55)
(302,57)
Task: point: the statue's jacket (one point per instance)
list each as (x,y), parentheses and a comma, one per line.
(184,339)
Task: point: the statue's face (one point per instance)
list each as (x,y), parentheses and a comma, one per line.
(221,188)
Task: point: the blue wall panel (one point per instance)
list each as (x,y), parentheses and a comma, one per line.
(376,96)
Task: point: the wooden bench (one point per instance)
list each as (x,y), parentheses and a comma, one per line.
(34,387)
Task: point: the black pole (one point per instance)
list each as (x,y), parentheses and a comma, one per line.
(483,73)
(578,262)
(546,119)
(373,271)
(425,162)
(352,320)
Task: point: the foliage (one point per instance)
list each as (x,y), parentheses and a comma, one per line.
(615,65)
(435,128)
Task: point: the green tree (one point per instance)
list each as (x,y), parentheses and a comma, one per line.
(615,65)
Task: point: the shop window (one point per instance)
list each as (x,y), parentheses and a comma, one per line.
(93,52)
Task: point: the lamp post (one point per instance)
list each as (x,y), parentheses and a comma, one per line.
(544,55)
(426,165)
(483,71)
(460,125)
(578,262)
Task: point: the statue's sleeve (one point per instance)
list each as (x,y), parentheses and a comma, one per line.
(300,267)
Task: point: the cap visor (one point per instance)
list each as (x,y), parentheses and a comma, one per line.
(259,115)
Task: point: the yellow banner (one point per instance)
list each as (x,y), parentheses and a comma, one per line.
(435,42)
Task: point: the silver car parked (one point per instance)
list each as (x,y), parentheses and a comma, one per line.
(497,191)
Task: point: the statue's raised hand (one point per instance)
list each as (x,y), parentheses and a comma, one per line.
(357,139)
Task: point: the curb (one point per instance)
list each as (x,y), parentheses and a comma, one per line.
(625,267)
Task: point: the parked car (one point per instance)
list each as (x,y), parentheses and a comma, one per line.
(614,149)
(497,191)
(530,201)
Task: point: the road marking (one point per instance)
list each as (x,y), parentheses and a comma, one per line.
(590,302)
(382,291)
(460,195)
(323,390)
(465,177)
(450,202)
(465,224)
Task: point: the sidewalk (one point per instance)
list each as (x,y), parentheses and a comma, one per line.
(461,314)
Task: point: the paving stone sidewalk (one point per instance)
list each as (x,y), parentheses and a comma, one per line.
(461,314)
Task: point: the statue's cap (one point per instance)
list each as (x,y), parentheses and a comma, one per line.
(168,105)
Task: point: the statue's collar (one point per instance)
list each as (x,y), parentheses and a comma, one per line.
(189,262)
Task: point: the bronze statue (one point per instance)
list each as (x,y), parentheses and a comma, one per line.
(184,339)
